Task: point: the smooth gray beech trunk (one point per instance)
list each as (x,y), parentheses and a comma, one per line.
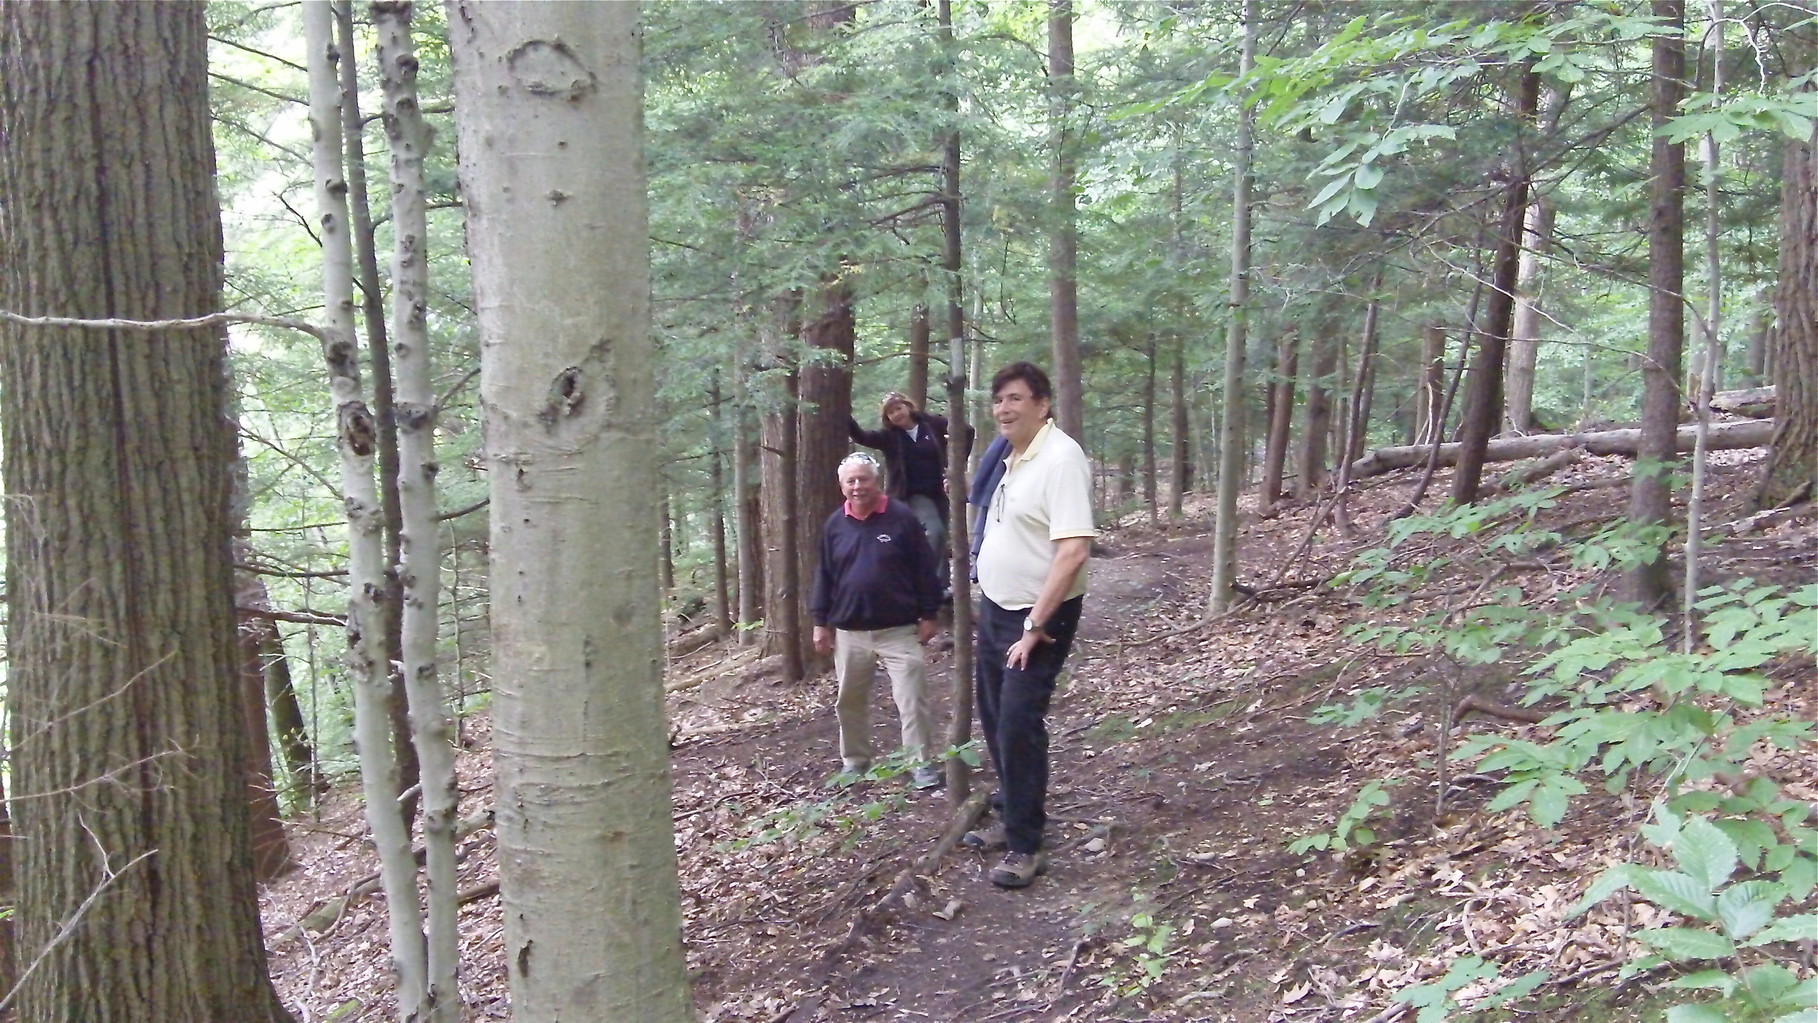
(549,112)
(358,430)
(419,566)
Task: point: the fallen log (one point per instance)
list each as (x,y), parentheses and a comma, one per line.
(1754,402)
(1723,436)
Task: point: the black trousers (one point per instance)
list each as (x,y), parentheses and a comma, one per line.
(1013,710)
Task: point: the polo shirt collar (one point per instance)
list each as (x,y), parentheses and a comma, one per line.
(883,502)
(1035,444)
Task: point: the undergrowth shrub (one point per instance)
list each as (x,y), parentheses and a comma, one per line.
(1629,710)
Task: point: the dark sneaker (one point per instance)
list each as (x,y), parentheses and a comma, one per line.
(926,777)
(987,838)
(1018,870)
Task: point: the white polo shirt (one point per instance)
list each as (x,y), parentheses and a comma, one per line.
(1046,495)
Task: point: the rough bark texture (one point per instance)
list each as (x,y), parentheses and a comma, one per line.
(1792,464)
(548,107)
(124,688)
(821,439)
(1310,472)
(1431,385)
(1650,497)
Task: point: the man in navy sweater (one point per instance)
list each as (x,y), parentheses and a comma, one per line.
(876,598)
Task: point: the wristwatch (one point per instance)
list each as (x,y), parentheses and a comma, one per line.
(1030,626)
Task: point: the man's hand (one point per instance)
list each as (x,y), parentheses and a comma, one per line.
(925,630)
(823,639)
(1018,657)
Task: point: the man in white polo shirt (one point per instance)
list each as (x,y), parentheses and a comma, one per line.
(1032,577)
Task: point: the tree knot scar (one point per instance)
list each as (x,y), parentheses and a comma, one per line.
(357,428)
(550,69)
(565,396)
(524,959)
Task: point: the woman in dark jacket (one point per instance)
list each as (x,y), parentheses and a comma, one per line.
(914,444)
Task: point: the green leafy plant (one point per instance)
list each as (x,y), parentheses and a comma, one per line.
(1730,924)
(1150,956)
(1350,832)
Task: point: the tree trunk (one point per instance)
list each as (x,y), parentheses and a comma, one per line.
(959,729)
(1231,435)
(921,332)
(782,536)
(1430,388)
(1311,470)
(825,407)
(1180,465)
(390,599)
(1063,241)
(716,484)
(748,511)
(271,848)
(1791,471)
(125,699)
(1483,405)
(371,675)
(420,563)
(548,103)
(1150,354)
(1524,341)
(1281,417)
(1650,496)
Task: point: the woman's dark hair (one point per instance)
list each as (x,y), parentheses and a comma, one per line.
(1029,373)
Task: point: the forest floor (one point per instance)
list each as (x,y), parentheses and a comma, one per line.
(1187,754)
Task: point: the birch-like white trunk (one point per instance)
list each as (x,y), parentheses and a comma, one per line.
(366,556)
(420,562)
(548,106)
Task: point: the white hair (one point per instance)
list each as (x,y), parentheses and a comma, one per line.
(860,458)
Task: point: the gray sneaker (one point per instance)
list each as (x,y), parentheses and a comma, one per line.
(987,838)
(926,777)
(1018,870)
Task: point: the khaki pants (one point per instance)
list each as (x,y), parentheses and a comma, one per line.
(855,657)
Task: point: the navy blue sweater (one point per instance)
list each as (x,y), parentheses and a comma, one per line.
(877,573)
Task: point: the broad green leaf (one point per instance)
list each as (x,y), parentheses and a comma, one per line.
(1687,943)
(1705,853)
(1368,176)
(1803,927)
(1608,883)
(1696,1014)
(1705,980)
(1672,890)
(1746,908)
(1802,1016)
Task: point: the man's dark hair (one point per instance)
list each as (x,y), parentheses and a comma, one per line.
(1029,373)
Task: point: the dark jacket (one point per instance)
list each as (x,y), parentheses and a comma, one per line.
(875,573)
(911,465)
(985,479)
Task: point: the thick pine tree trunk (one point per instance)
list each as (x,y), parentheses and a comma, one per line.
(125,696)
(548,103)
(821,440)
(1430,386)
(1791,472)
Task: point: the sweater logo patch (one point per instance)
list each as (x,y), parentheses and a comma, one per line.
(883,538)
